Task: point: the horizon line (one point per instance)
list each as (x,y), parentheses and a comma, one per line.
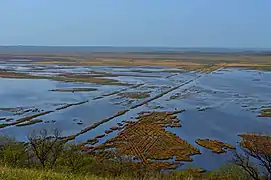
(170,47)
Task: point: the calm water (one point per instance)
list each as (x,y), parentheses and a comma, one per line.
(230,101)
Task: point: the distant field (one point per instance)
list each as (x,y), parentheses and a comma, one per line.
(187,60)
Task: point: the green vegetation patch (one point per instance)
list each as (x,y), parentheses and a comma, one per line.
(265,112)
(3,125)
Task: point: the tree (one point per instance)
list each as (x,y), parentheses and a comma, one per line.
(46,149)
(257,147)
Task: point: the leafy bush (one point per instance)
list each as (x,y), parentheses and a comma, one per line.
(73,159)
(14,154)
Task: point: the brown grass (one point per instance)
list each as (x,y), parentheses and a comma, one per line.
(262,142)
(65,78)
(29,118)
(118,91)
(135,95)
(34,121)
(74,90)
(215,145)
(70,105)
(25,119)
(148,141)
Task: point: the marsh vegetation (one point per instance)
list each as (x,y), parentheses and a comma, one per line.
(137,120)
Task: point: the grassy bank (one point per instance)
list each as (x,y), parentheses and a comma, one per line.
(225,173)
(7,173)
(46,156)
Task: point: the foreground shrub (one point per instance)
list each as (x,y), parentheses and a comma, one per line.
(12,153)
(73,159)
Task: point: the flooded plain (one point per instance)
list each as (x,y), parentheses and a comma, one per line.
(216,105)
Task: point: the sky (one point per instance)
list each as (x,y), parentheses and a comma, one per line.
(155,23)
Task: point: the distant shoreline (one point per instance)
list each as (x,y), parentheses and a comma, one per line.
(151,50)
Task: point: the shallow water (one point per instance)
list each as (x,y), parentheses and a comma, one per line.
(219,105)
(227,98)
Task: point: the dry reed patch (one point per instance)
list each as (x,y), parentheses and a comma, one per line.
(215,145)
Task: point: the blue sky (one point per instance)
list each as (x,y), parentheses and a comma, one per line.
(174,23)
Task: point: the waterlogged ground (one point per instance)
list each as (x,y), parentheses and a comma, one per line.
(218,105)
